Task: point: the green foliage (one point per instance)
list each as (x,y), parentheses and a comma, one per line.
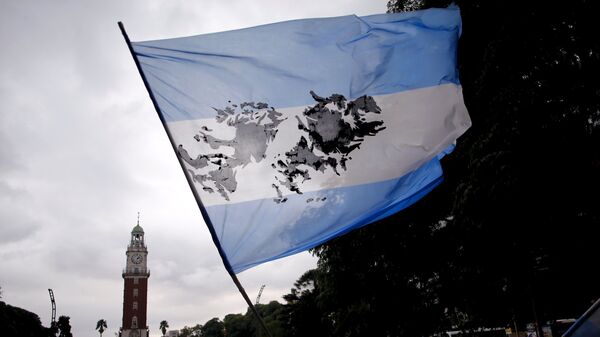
(19,322)
(274,314)
(523,206)
(237,325)
(382,282)
(101,326)
(213,328)
(275,317)
(163,326)
(64,326)
(306,316)
(194,331)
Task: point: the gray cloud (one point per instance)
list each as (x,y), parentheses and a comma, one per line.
(17,221)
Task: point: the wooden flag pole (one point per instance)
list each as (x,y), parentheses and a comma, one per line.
(213,234)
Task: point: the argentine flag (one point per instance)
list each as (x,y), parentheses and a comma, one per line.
(296,132)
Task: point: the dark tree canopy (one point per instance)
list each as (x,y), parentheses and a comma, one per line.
(237,325)
(194,331)
(213,328)
(64,326)
(15,321)
(305,315)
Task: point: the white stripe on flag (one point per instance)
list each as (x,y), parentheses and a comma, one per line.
(419,124)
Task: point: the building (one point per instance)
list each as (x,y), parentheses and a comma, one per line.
(135,289)
(172,333)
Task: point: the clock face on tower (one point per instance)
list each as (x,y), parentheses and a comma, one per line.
(137,258)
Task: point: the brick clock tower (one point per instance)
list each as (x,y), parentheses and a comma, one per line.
(135,291)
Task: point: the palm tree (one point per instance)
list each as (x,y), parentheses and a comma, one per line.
(101,326)
(64,325)
(163,327)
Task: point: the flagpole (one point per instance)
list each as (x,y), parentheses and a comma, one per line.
(213,234)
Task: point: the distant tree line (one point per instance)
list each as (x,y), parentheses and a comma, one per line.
(509,237)
(275,315)
(15,321)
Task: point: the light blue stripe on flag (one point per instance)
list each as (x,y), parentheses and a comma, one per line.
(309,220)
(296,132)
(280,63)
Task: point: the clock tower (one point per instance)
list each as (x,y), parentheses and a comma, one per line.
(135,276)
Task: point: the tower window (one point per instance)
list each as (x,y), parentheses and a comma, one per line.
(135,305)
(134,322)
(135,292)
(136,280)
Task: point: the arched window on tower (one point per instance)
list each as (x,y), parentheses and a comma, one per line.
(134,322)
(135,292)
(135,305)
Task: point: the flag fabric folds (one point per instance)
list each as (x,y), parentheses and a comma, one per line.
(588,325)
(297,132)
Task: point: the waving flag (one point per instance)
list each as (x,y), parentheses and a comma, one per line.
(296,132)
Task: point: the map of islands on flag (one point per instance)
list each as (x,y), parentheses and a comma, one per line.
(297,132)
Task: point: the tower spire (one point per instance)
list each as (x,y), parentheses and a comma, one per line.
(135,293)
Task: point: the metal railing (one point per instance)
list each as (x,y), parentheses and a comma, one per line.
(139,272)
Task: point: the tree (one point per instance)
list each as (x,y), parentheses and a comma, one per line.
(238,325)
(16,321)
(305,315)
(163,327)
(194,331)
(64,326)
(364,274)
(101,326)
(274,316)
(213,328)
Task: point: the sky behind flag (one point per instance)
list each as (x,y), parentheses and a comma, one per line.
(285,128)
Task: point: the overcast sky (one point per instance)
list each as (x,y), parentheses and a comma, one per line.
(82,151)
